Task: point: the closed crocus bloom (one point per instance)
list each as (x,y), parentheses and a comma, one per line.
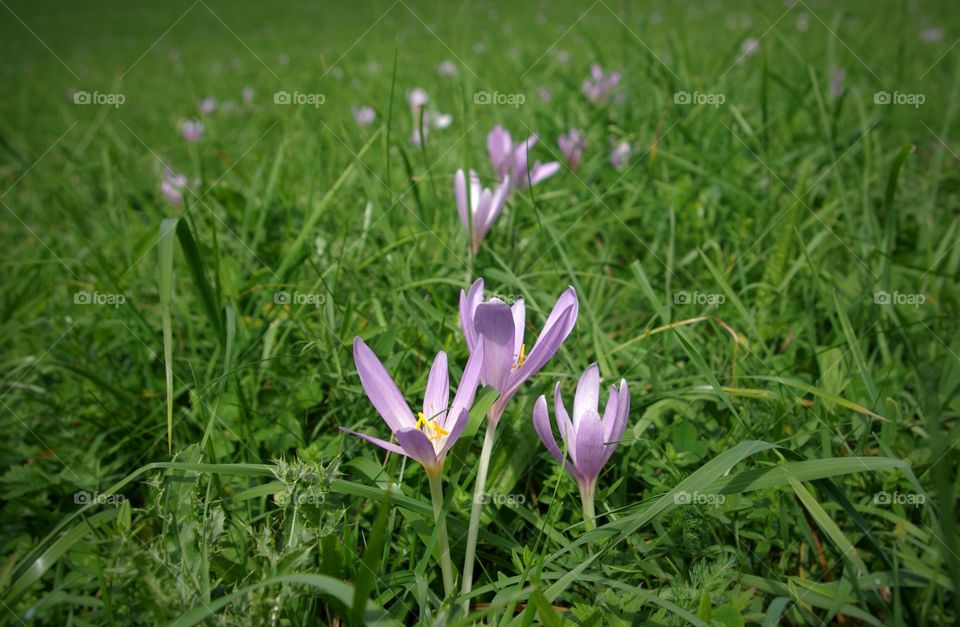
(191,130)
(589,439)
(572,145)
(484,205)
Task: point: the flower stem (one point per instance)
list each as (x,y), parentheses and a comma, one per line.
(586,496)
(436,496)
(478,493)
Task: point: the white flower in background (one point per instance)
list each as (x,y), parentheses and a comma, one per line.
(364,116)
(447,68)
(749,47)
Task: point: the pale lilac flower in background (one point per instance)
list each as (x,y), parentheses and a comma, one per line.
(656,17)
(620,154)
(510,160)
(931,35)
(208,105)
(417,98)
(172,187)
(427,438)
(479,48)
(447,68)
(544,93)
(191,130)
(601,85)
(572,145)
(749,47)
(837,79)
(484,205)
(497,329)
(438,120)
(563,57)
(247,95)
(803,22)
(589,440)
(364,116)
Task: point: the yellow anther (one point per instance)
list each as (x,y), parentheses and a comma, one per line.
(522,358)
(422,420)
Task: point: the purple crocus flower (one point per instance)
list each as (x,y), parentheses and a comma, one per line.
(509,159)
(601,85)
(247,95)
(172,187)
(620,154)
(485,205)
(208,105)
(191,130)
(749,47)
(428,437)
(589,440)
(497,329)
(572,145)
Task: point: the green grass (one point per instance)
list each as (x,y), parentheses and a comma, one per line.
(789,405)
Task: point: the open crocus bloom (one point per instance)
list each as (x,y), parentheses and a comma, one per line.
(496,329)
(510,160)
(485,205)
(428,437)
(601,85)
(589,439)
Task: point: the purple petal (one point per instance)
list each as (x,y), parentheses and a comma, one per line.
(460,191)
(380,388)
(610,413)
(519,311)
(620,424)
(544,349)
(543,171)
(481,218)
(494,323)
(567,300)
(499,144)
(541,424)
(587,397)
(393,448)
(437,394)
(564,425)
(463,400)
(455,430)
(468,305)
(590,449)
(417,445)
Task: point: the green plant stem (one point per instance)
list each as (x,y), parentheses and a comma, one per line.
(474,527)
(436,496)
(586,496)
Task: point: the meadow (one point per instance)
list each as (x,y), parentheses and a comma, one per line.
(227,226)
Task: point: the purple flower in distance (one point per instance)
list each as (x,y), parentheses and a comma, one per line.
(589,439)
(364,116)
(172,187)
(931,35)
(510,160)
(572,145)
(208,105)
(247,95)
(600,86)
(428,437)
(750,47)
(620,154)
(497,329)
(484,205)
(191,130)
(837,79)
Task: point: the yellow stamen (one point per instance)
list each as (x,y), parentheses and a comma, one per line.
(422,420)
(522,358)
